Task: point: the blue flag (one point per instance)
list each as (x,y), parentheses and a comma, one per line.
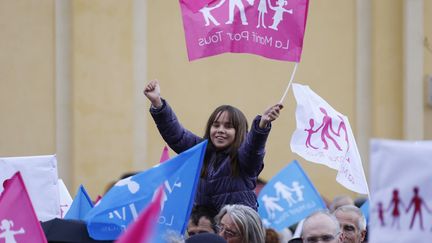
(365,210)
(288,198)
(81,205)
(128,197)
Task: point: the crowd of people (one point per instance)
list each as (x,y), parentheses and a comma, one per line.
(225,207)
(343,222)
(238,223)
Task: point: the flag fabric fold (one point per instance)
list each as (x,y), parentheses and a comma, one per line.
(18,221)
(128,197)
(81,205)
(324,136)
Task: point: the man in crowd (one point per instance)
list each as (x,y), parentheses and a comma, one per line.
(352,223)
(321,226)
(339,201)
(201,221)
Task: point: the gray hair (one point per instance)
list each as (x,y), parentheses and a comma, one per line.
(326,213)
(247,221)
(361,223)
(340,200)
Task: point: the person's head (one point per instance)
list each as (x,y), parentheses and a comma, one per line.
(339,201)
(321,226)
(240,224)
(201,221)
(271,236)
(352,223)
(226,127)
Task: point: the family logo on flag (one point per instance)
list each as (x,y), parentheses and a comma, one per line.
(288,198)
(18,221)
(123,202)
(323,135)
(8,234)
(270,28)
(401,199)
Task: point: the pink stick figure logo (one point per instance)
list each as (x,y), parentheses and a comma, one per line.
(380,210)
(396,202)
(310,132)
(417,202)
(7,233)
(327,132)
(326,126)
(343,128)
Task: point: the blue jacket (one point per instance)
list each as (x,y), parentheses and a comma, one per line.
(219,187)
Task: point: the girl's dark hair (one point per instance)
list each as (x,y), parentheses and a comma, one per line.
(239,123)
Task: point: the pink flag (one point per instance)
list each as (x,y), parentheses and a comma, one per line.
(165,155)
(143,229)
(324,136)
(269,28)
(18,221)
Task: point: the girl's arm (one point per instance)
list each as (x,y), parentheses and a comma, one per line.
(252,151)
(174,134)
(152,92)
(269,115)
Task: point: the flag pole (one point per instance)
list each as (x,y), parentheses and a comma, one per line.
(289,84)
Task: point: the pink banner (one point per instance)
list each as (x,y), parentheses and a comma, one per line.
(18,221)
(269,28)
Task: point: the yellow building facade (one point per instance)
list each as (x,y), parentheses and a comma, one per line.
(73,74)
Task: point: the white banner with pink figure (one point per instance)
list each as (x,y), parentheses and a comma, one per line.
(269,28)
(324,136)
(401,198)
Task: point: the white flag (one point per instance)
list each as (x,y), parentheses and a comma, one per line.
(401,199)
(40,177)
(324,136)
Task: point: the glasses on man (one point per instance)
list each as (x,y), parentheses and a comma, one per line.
(226,232)
(321,238)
